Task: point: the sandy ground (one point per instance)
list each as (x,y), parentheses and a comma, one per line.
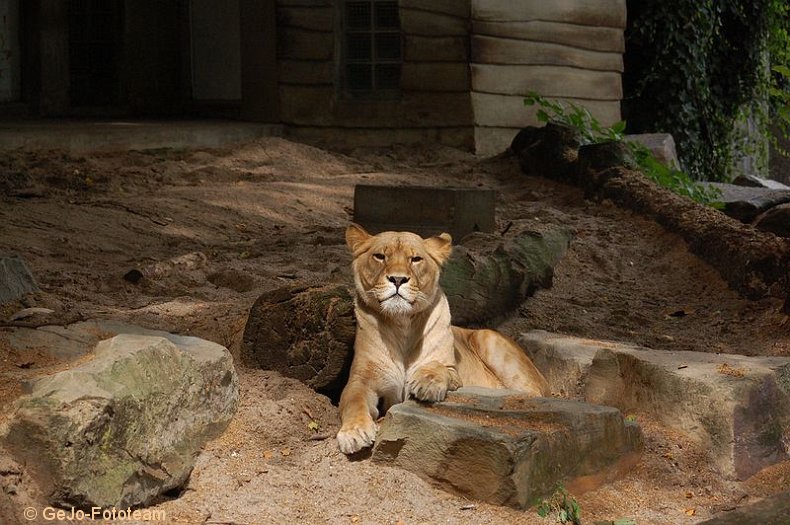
(272,213)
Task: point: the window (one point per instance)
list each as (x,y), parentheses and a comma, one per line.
(372,49)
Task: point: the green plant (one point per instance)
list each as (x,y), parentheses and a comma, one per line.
(562,505)
(592,132)
(699,69)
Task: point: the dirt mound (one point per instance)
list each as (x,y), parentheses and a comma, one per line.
(274,211)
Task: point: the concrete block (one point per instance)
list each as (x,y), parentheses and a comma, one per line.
(737,406)
(425,211)
(504,447)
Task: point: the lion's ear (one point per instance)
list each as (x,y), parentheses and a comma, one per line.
(355,236)
(440,247)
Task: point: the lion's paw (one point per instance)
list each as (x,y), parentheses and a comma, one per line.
(432,382)
(354,438)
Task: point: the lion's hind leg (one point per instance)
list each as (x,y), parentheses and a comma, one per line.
(508,361)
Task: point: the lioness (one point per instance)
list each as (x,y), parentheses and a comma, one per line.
(405,345)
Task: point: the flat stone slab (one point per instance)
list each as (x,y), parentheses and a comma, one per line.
(745,203)
(759,182)
(737,406)
(16,280)
(774,510)
(504,447)
(126,426)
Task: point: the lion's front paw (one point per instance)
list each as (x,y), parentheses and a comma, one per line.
(353,438)
(432,382)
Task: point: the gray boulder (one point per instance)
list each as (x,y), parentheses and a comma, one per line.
(16,279)
(758,182)
(124,427)
(504,447)
(738,407)
(746,203)
(662,145)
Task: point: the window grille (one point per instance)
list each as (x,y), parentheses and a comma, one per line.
(372,46)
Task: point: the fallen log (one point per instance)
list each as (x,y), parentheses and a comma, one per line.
(308,332)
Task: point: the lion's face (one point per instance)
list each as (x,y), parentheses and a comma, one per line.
(397,273)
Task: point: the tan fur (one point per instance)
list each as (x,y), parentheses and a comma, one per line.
(405,345)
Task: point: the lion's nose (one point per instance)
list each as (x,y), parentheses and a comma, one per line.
(397,280)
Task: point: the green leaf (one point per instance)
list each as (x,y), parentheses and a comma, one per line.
(619,127)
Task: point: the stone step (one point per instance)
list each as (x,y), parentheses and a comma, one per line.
(737,406)
(504,447)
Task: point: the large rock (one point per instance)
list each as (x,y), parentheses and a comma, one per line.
(774,510)
(746,203)
(737,406)
(504,447)
(15,278)
(124,427)
(662,145)
(758,182)
(68,342)
(775,220)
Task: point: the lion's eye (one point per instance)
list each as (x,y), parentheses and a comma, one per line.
(416,259)
(379,256)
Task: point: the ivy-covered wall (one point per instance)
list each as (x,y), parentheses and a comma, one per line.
(699,69)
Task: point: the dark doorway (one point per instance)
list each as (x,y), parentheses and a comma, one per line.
(95,47)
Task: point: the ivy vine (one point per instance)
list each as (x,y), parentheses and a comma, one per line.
(694,68)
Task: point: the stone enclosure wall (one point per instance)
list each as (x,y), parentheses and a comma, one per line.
(467,65)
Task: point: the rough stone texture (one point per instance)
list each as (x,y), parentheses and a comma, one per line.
(738,406)
(431,211)
(504,447)
(16,279)
(489,276)
(124,427)
(758,182)
(304,333)
(744,203)
(71,341)
(774,510)
(775,220)
(662,145)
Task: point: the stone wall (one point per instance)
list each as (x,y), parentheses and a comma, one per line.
(565,49)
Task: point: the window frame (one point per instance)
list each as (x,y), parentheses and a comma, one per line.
(372,31)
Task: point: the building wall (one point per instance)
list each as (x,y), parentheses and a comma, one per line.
(10,85)
(435,101)
(216,49)
(569,50)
